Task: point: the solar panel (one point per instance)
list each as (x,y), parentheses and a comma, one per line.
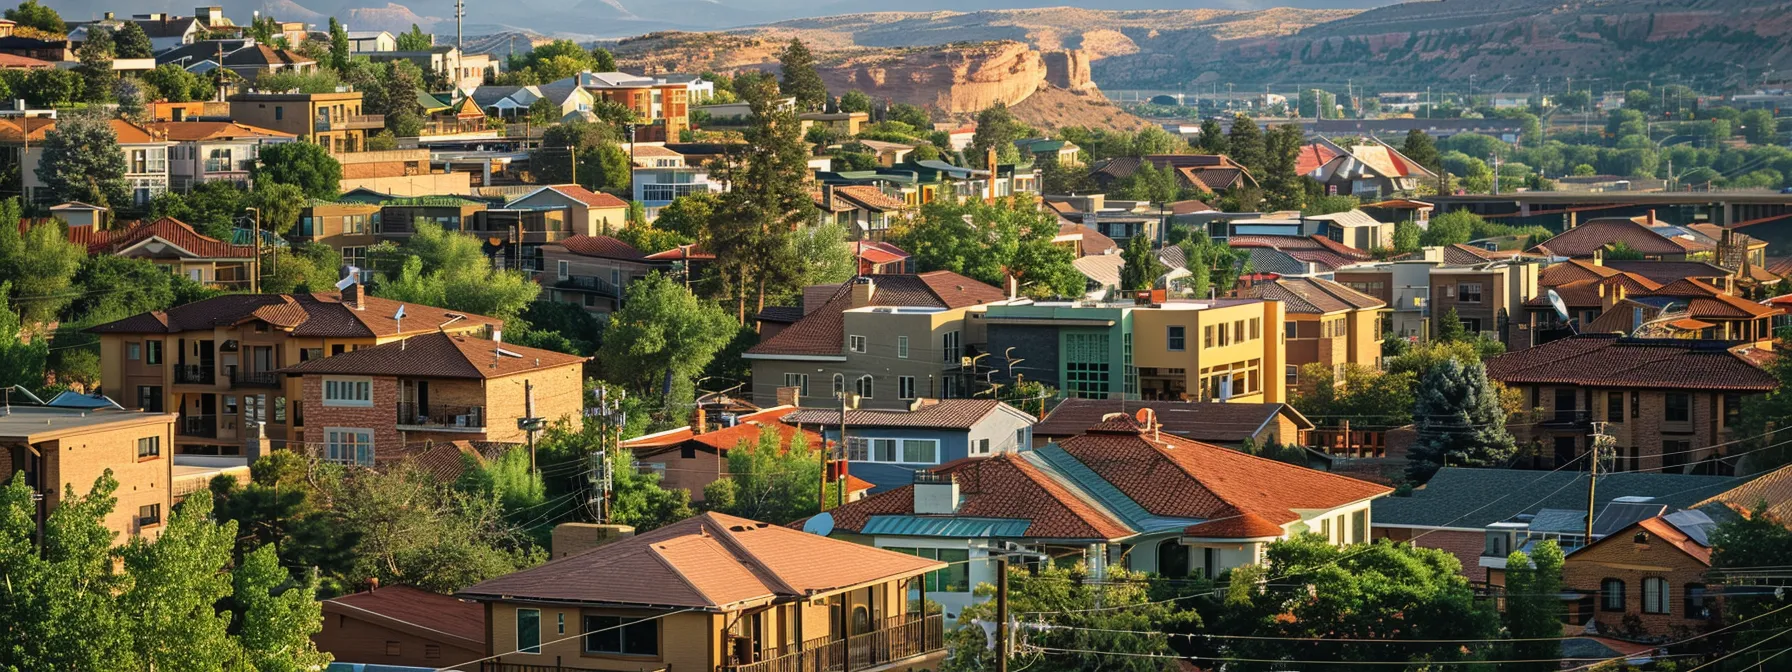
(1620,514)
(1695,524)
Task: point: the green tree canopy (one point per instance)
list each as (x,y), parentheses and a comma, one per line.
(750,231)
(1534,609)
(1245,144)
(1142,267)
(30,14)
(82,161)
(770,481)
(855,101)
(302,164)
(996,129)
(444,268)
(800,78)
(1421,148)
(1459,421)
(39,264)
(662,338)
(989,242)
(414,39)
(132,42)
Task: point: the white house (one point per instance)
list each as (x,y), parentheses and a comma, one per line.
(208,151)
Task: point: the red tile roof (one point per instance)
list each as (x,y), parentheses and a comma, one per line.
(680,435)
(878,252)
(1604,360)
(416,612)
(1312,156)
(322,315)
(1597,234)
(1310,249)
(1002,486)
(191,131)
(823,332)
(680,253)
(438,355)
(870,198)
(15,62)
(588,197)
(1239,525)
(603,247)
(712,562)
(1176,477)
(179,234)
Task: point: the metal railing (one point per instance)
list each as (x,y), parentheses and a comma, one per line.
(254,379)
(412,414)
(351,121)
(901,637)
(203,426)
(1566,416)
(194,374)
(589,284)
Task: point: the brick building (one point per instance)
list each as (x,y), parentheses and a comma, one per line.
(402,626)
(56,448)
(363,406)
(591,271)
(1647,579)
(1670,404)
(1487,298)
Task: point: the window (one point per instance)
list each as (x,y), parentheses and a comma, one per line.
(560,618)
(149,515)
(955,578)
(219,161)
(528,630)
(563,269)
(949,344)
(279,112)
(1086,365)
(902,347)
(348,392)
(1676,407)
(133,351)
(149,446)
(622,636)
(1290,329)
(1614,407)
(149,398)
(1732,409)
(1636,404)
(1256,328)
(1225,336)
(1468,292)
(393,648)
(905,387)
(800,381)
(1207,336)
(839,384)
(1611,595)
(1238,331)
(349,446)
(855,343)
(1695,606)
(1359,526)
(152,352)
(980,447)
(1496,544)
(1325,528)
(1674,455)
(1292,374)
(864,386)
(1655,595)
(1177,338)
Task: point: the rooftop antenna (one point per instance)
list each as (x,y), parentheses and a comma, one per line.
(399,318)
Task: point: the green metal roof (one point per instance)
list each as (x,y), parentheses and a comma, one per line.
(1111,498)
(243,236)
(454,201)
(955,526)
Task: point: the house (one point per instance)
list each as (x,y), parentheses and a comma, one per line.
(14,62)
(1326,323)
(253,61)
(432,387)
(1123,493)
(1487,299)
(174,245)
(879,258)
(1404,285)
(586,212)
(1223,349)
(693,456)
(841,124)
(362,41)
(512,102)
(459,70)
(1648,578)
(663,106)
(1769,494)
(58,448)
(346,227)
(1684,308)
(333,120)
(866,212)
(217,361)
(662,175)
(400,216)
(1369,169)
(592,271)
(145,156)
(1064,152)
(885,447)
(890,339)
(401,626)
(1597,236)
(1353,228)
(1213,173)
(1460,508)
(1223,424)
(40,49)
(207,151)
(1668,404)
(450,113)
(1325,254)
(888,154)
(715,592)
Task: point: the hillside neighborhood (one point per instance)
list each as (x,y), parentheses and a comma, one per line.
(347,350)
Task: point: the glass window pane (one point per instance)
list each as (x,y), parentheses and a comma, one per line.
(641,638)
(528,630)
(918,451)
(603,636)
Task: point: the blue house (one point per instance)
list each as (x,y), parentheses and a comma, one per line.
(887,447)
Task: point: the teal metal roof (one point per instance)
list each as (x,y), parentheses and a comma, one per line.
(956,526)
(243,236)
(1111,498)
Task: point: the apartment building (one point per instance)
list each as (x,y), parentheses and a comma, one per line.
(460,70)
(1218,350)
(217,362)
(662,175)
(1669,404)
(209,151)
(333,120)
(58,448)
(591,271)
(1326,323)
(662,106)
(145,156)
(890,339)
(364,406)
(347,227)
(1487,298)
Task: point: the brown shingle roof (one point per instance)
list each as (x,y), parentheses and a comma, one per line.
(603,247)
(1002,486)
(1582,241)
(1604,360)
(438,355)
(1772,490)
(711,562)
(1211,422)
(1458,254)
(588,197)
(870,198)
(823,331)
(416,612)
(324,315)
(945,414)
(1315,295)
(190,131)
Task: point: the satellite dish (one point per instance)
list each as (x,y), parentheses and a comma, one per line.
(820,523)
(350,276)
(400,314)
(1561,307)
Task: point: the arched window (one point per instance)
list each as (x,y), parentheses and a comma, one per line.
(1172,558)
(839,384)
(1611,595)
(864,387)
(1655,595)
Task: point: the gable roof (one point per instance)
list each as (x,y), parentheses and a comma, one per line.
(1210,422)
(1596,234)
(320,314)
(1315,249)
(823,332)
(193,131)
(1312,156)
(1316,296)
(1665,272)
(710,562)
(1772,490)
(878,252)
(578,193)
(1471,498)
(176,233)
(746,427)
(602,247)
(1458,254)
(416,612)
(870,198)
(1605,360)
(438,355)
(1659,528)
(1007,487)
(263,55)
(951,414)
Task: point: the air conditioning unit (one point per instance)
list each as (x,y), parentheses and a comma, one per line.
(460,421)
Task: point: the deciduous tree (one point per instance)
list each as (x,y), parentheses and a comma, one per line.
(302,164)
(414,39)
(38,263)
(661,338)
(990,242)
(82,161)
(1534,608)
(1142,267)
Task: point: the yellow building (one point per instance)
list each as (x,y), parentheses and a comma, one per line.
(1326,323)
(333,120)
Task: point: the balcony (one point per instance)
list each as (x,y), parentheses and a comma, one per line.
(350,122)
(586,283)
(266,379)
(201,426)
(194,374)
(441,416)
(1566,417)
(901,638)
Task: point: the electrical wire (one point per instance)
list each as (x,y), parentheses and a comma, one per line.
(462,665)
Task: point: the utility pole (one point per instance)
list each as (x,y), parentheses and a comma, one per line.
(1002,613)
(842,445)
(573,150)
(255,264)
(1598,442)
(529,423)
(460,11)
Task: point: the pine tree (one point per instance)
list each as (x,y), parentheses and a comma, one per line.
(1459,421)
(801,79)
(1420,148)
(96,70)
(768,199)
(82,161)
(132,42)
(1245,144)
(1142,267)
(338,46)
(1282,185)
(1212,139)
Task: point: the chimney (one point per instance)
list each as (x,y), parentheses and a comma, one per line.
(787,396)
(351,296)
(1651,217)
(921,403)
(827,196)
(699,421)
(1011,285)
(1599,256)
(935,494)
(373,583)
(862,289)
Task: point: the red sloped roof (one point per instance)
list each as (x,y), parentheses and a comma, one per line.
(1312,156)
(878,253)
(588,197)
(1003,486)
(181,235)
(603,247)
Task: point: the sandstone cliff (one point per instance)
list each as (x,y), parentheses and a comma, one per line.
(960,80)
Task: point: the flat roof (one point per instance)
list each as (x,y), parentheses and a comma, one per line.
(39,423)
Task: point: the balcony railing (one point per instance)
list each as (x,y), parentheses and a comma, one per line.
(352,121)
(586,283)
(1567,417)
(412,414)
(254,379)
(202,426)
(901,638)
(193,374)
